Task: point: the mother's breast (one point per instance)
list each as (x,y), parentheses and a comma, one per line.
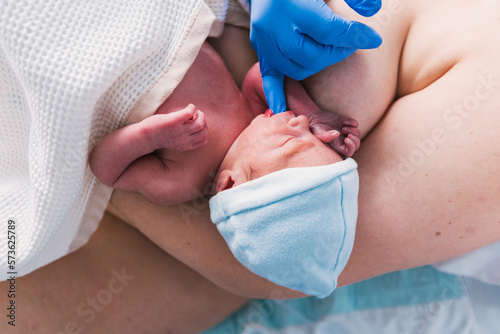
(364,85)
(422,41)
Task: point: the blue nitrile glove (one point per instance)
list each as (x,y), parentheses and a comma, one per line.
(299,38)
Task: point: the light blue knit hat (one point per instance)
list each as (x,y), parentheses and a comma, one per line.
(294,227)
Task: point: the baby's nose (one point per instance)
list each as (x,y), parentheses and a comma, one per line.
(299,121)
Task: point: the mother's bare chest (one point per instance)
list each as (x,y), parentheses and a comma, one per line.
(422,41)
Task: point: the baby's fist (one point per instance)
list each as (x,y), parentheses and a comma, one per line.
(340,132)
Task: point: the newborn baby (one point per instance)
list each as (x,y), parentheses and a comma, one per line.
(286,203)
(172,156)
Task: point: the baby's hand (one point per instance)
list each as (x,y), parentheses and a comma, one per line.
(182,130)
(341,133)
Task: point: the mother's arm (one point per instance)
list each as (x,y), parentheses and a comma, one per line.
(187,233)
(429,177)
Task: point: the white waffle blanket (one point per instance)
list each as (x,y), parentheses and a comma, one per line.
(71,71)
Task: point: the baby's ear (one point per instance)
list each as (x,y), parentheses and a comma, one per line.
(224,181)
(229,178)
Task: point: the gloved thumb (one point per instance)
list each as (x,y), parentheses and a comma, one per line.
(365,7)
(273,88)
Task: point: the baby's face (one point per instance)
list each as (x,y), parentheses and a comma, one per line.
(270,144)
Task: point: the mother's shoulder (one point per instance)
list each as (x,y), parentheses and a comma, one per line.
(444,34)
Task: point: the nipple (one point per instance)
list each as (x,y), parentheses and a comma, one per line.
(268,113)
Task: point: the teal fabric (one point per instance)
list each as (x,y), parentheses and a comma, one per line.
(409,287)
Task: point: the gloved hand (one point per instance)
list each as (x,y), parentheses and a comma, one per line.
(298,38)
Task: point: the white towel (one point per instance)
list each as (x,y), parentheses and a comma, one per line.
(72,71)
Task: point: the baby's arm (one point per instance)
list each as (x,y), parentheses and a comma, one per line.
(339,132)
(122,159)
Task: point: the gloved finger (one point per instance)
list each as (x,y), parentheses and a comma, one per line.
(294,70)
(317,16)
(313,56)
(360,36)
(273,88)
(365,7)
(333,29)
